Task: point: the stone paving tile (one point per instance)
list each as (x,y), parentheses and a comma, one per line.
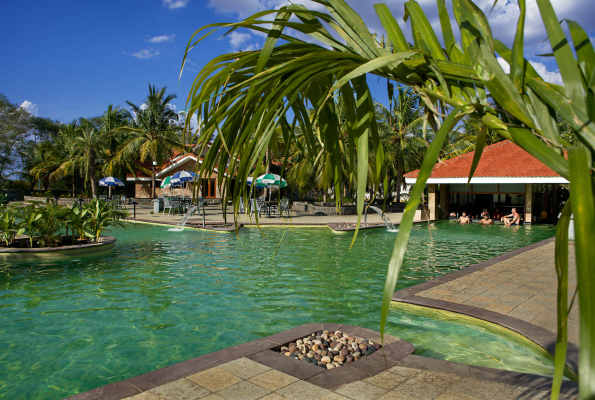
(243,391)
(181,389)
(213,396)
(418,389)
(244,368)
(455,396)
(214,379)
(499,308)
(386,380)
(438,378)
(361,390)
(524,314)
(301,390)
(272,396)
(395,395)
(404,371)
(273,380)
(144,396)
(484,389)
(333,396)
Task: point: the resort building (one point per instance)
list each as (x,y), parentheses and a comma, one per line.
(179,162)
(506,177)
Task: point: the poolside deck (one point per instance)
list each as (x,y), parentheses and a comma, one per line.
(521,280)
(214,215)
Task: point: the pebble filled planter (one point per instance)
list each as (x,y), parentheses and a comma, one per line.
(329,349)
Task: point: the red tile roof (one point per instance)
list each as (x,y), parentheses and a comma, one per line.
(501,160)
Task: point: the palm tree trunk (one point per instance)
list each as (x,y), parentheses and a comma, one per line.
(73,177)
(399,181)
(153,182)
(92,174)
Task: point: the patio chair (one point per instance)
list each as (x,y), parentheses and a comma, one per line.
(255,207)
(123,201)
(284,207)
(167,204)
(241,204)
(103,197)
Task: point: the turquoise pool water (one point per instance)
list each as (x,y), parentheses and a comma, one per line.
(163,297)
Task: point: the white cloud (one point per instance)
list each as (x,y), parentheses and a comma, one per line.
(30,107)
(144,106)
(162,38)
(193,120)
(143,54)
(173,4)
(548,76)
(251,47)
(236,39)
(505,66)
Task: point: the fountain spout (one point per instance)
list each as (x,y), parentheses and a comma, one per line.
(387,222)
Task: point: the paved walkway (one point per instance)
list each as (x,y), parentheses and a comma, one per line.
(523,287)
(214,215)
(244,379)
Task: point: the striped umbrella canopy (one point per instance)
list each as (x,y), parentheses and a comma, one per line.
(271,181)
(258,185)
(182,176)
(110,181)
(168,183)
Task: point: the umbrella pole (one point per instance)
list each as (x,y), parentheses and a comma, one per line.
(109,192)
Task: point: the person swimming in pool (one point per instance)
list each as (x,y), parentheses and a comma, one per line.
(464,219)
(512,219)
(486,220)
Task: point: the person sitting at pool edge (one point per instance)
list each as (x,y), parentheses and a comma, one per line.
(512,219)
(486,220)
(464,219)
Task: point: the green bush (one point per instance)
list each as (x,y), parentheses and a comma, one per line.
(49,220)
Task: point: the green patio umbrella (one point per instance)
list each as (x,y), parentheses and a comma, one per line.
(271,181)
(166,183)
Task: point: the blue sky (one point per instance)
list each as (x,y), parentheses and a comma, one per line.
(73,58)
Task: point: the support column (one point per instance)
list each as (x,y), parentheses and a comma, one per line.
(528,202)
(432,201)
(444,202)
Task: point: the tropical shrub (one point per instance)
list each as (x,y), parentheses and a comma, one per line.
(30,216)
(9,225)
(101,215)
(49,221)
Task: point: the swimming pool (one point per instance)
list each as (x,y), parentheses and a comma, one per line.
(163,297)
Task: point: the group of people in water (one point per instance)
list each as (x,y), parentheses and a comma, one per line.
(513,219)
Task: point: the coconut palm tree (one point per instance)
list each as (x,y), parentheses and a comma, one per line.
(152,134)
(401,129)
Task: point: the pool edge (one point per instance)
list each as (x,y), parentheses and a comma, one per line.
(540,336)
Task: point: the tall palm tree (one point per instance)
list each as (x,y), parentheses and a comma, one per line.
(152,136)
(77,147)
(463,139)
(401,130)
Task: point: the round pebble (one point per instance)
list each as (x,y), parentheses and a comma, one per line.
(329,349)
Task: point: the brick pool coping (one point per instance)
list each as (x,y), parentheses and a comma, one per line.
(334,226)
(539,335)
(395,352)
